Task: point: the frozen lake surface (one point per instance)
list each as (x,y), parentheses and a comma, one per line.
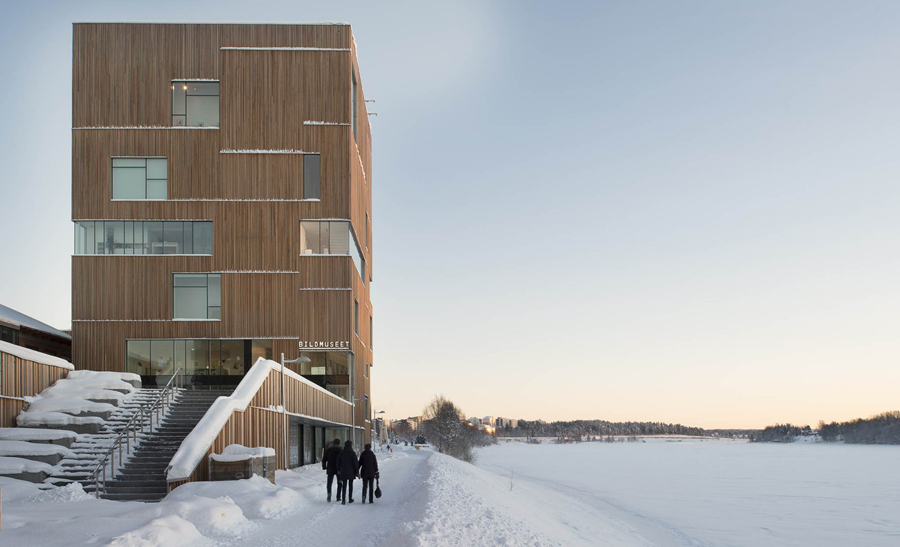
(707,492)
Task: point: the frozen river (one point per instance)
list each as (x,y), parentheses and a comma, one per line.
(707,492)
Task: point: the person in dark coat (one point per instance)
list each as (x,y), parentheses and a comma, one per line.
(368,469)
(329,464)
(348,470)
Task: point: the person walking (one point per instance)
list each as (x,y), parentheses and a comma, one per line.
(368,470)
(329,464)
(348,470)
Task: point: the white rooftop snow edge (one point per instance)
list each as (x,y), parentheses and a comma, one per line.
(36,356)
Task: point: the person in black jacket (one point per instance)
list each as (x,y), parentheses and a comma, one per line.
(348,470)
(329,464)
(368,468)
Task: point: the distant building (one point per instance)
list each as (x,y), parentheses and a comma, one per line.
(23,330)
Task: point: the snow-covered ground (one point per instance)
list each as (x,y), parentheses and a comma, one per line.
(659,492)
(694,492)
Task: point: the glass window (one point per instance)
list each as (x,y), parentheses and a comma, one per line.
(139,178)
(356,316)
(138,352)
(203,238)
(174,237)
(331,370)
(162,357)
(197,296)
(150,237)
(195,104)
(371,335)
(353,102)
(331,237)
(311,175)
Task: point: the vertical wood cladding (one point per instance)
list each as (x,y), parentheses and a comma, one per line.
(23,378)
(245,176)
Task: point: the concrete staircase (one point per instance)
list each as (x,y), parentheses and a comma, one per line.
(143,477)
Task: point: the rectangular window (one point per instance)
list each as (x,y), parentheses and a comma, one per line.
(331,237)
(143,237)
(140,178)
(311,176)
(195,104)
(198,296)
(331,370)
(194,357)
(371,335)
(356,316)
(353,101)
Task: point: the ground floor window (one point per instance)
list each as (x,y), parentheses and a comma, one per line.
(194,357)
(333,370)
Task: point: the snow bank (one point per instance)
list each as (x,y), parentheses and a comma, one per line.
(198,441)
(12,466)
(164,531)
(238,453)
(64,494)
(257,497)
(68,405)
(25,448)
(34,434)
(106,380)
(55,419)
(36,356)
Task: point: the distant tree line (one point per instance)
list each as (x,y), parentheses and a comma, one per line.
(779,433)
(883,428)
(879,429)
(582,429)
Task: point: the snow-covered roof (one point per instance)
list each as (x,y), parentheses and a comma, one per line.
(17,319)
(36,356)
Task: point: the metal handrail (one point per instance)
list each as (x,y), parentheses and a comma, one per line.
(130,431)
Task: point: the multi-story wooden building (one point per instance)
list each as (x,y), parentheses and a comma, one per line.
(222,201)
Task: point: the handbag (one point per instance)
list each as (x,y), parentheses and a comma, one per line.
(377,489)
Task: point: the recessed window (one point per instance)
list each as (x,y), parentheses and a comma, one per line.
(198,296)
(195,104)
(331,237)
(356,316)
(143,237)
(332,370)
(139,178)
(371,336)
(311,176)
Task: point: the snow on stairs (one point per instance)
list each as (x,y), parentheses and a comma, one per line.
(90,448)
(143,477)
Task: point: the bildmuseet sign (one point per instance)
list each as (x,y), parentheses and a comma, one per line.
(319,344)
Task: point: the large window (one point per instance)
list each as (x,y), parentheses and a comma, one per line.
(195,104)
(143,237)
(332,370)
(194,357)
(139,178)
(331,237)
(311,176)
(198,296)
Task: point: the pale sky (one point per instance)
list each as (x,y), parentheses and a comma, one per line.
(666,211)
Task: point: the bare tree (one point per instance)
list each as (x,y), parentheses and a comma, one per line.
(445,428)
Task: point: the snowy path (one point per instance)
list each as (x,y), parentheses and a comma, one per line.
(322,523)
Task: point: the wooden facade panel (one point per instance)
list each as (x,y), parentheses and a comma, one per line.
(129,85)
(325,315)
(23,378)
(328,272)
(266,96)
(192,162)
